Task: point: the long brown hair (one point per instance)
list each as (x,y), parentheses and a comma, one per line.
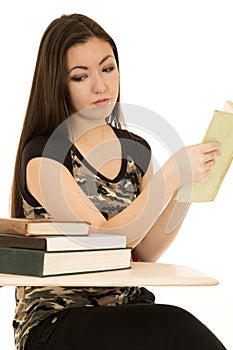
(49,103)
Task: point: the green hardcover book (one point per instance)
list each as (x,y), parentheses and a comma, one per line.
(221,130)
(39,263)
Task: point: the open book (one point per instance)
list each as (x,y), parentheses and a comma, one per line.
(221,130)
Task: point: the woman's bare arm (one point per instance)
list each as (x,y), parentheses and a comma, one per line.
(55,188)
(163,232)
(57,191)
(166,228)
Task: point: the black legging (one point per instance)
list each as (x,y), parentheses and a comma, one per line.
(127,327)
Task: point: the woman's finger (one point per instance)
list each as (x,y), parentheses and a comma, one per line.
(211,155)
(210,147)
(209,164)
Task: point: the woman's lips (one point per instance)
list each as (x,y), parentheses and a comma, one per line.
(101,102)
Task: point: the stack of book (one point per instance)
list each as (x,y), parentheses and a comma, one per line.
(42,247)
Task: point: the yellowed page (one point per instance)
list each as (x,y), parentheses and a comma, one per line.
(221,130)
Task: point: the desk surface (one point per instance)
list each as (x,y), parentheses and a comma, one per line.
(140,274)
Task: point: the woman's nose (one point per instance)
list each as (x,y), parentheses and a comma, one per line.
(98,86)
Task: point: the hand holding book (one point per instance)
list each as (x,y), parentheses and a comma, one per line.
(220,130)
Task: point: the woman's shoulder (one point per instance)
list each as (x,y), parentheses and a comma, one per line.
(42,146)
(127,134)
(35,146)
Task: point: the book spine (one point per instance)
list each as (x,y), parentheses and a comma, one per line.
(21,262)
(19,241)
(13,227)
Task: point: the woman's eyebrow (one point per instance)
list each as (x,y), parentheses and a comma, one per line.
(85,67)
(104,59)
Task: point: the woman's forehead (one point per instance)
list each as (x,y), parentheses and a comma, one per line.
(90,53)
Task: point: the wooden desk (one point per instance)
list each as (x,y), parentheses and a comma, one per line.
(140,274)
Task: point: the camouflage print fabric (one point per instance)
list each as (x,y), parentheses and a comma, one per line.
(33,304)
(109,197)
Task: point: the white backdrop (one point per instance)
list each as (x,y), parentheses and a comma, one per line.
(176,59)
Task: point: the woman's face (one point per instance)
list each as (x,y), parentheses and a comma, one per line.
(93,76)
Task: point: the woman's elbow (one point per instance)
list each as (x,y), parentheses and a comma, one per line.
(144,256)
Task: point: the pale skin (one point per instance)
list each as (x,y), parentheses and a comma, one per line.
(93,83)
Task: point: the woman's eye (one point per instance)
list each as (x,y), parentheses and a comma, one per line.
(108,69)
(78,79)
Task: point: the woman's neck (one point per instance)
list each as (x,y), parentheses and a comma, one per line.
(87,121)
(79,127)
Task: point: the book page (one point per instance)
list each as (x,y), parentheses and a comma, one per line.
(221,130)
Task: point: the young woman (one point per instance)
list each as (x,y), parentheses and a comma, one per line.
(77,161)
